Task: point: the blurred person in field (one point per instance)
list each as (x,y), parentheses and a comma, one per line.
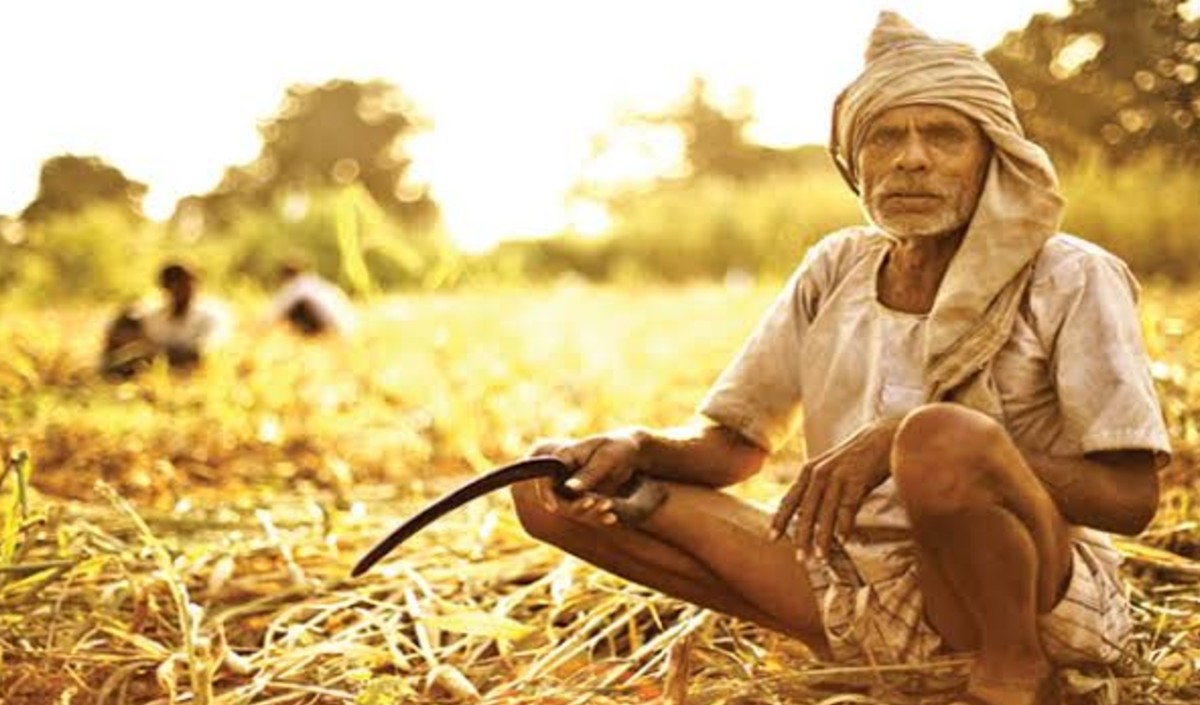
(309,304)
(186,325)
(975,400)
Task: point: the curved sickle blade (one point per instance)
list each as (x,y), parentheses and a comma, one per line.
(537,466)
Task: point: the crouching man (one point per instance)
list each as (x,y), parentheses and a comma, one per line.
(976,406)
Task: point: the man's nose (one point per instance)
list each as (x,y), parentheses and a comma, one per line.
(913,154)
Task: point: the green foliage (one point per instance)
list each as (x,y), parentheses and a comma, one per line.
(1140,212)
(97,253)
(708,228)
(342,233)
(352,219)
(70,184)
(697,229)
(1112,78)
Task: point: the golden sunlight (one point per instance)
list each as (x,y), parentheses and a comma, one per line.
(516,94)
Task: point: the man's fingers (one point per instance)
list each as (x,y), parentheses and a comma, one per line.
(598,464)
(594,465)
(846,512)
(787,505)
(807,513)
(602,511)
(825,518)
(592,509)
(587,478)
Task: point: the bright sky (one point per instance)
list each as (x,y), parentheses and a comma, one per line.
(171,92)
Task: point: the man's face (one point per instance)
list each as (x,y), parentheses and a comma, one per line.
(922,170)
(180,291)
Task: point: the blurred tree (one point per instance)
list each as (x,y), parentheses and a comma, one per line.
(69,184)
(735,206)
(715,139)
(336,134)
(1113,78)
(713,142)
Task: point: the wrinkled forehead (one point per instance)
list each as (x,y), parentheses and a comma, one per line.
(924,115)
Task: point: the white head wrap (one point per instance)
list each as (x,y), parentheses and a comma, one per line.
(1018,210)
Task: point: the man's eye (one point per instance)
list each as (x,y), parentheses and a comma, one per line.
(947,136)
(883,138)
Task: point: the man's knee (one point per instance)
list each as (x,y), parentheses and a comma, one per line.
(943,456)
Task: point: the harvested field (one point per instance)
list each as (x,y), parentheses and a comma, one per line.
(189,540)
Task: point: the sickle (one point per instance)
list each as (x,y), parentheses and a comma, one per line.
(535,467)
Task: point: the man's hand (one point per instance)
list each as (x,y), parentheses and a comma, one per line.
(601,464)
(827,495)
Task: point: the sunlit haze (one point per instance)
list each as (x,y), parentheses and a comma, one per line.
(171,92)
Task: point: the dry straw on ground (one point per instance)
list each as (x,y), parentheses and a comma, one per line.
(189,541)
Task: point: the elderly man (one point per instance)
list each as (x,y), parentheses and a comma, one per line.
(976,408)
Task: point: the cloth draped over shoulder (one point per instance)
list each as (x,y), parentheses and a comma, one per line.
(1019,209)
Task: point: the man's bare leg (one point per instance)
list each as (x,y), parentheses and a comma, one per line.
(702,546)
(993,550)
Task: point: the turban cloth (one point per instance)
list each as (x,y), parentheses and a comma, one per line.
(1018,210)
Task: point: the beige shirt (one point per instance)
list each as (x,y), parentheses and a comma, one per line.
(1074,377)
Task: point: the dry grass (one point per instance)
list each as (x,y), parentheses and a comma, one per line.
(188,541)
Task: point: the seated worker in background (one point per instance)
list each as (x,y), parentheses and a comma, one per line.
(127,350)
(311,305)
(185,326)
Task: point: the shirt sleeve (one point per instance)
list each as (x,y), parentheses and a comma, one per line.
(759,393)
(1099,361)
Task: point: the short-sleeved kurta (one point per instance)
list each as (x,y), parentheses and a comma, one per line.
(1073,378)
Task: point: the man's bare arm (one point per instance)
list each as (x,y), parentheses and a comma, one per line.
(1115,491)
(701,454)
(706,454)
